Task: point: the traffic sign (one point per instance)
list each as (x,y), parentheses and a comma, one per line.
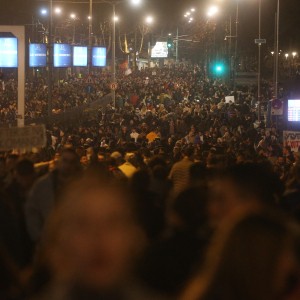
(89,80)
(277,107)
(113,86)
(260,41)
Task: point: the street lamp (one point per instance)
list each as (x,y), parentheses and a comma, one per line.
(73,17)
(57,10)
(44,12)
(114,3)
(136,2)
(149,21)
(212,11)
(294,54)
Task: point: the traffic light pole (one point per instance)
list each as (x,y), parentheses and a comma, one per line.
(177,46)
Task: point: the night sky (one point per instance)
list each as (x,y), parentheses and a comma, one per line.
(169,13)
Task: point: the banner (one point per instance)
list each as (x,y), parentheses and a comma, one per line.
(22,137)
(292,139)
(277,107)
(229,99)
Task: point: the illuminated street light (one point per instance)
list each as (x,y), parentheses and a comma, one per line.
(294,54)
(116,18)
(272,52)
(286,55)
(44,11)
(89,17)
(73,16)
(113,52)
(149,20)
(192,9)
(212,11)
(136,2)
(57,10)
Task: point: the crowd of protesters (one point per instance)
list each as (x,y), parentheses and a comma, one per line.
(174,193)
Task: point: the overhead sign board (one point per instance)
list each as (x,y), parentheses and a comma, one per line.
(22,137)
(8,52)
(99,57)
(160,50)
(260,41)
(62,55)
(80,56)
(37,55)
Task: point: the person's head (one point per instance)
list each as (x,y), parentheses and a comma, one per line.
(25,173)
(252,256)
(188,152)
(69,162)
(243,185)
(11,161)
(93,236)
(189,210)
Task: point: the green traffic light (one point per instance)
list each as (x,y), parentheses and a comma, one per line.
(218,69)
(169,43)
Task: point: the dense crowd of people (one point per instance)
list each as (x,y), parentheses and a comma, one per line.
(174,193)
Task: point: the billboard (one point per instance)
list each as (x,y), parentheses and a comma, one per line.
(37,55)
(62,55)
(160,50)
(292,139)
(8,52)
(98,57)
(294,110)
(80,56)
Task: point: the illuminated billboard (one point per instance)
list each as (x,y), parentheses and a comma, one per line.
(8,52)
(98,57)
(80,56)
(62,55)
(37,55)
(294,110)
(160,50)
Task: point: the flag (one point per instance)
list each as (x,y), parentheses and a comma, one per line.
(126,45)
(128,72)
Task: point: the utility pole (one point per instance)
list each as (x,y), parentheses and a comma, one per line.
(90,35)
(177,41)
(114,53)
(277,50)
(236,43)
(259,62)
(50,59)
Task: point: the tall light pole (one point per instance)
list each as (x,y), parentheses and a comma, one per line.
(149,22)
(73,17)
(259,61)
(114,3)
(277,50)
(50,59)
(236,43)
(114,54)
(90,18)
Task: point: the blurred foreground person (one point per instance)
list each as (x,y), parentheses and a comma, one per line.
(91,242)
(45,192)
(243,186)
(171,262)
(252,257)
